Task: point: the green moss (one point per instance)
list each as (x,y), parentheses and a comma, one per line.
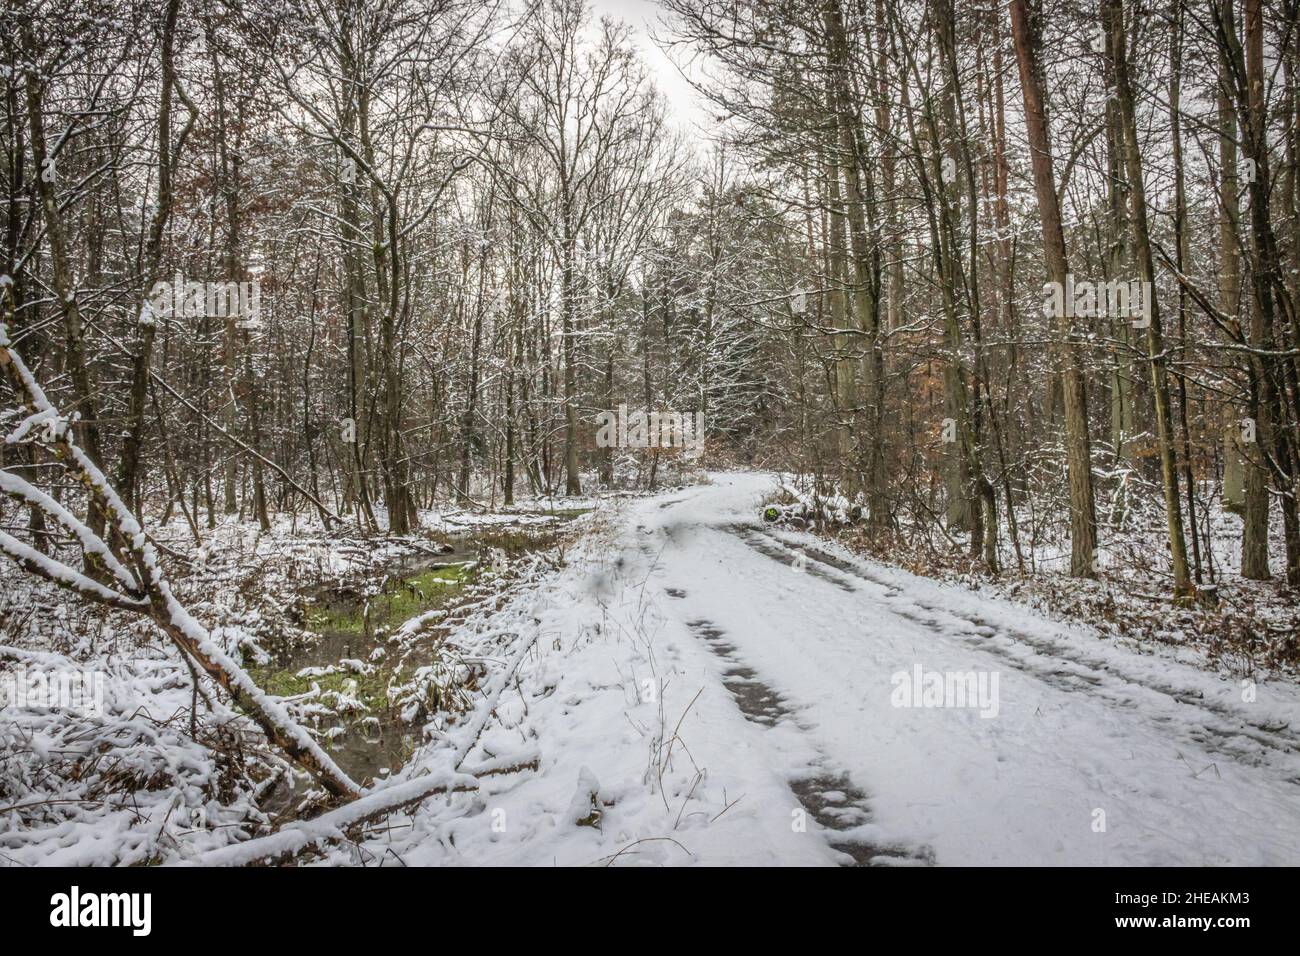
(340,619)
(517,541)
(371,689)
(399,601)
(419,592)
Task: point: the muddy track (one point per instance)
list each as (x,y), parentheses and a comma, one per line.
(778,551)
(842,809)
(1060,665)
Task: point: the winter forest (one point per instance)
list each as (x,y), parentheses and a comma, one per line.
(650,432)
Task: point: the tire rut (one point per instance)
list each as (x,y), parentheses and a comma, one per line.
(829,796)
(1062,668)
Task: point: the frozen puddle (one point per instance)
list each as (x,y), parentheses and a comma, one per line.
(829,796)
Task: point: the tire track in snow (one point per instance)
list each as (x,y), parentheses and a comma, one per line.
(829,796)
(839,807)
(1061,666)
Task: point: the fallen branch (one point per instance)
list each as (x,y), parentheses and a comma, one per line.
(294,838)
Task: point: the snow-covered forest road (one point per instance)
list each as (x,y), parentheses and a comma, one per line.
(733,694)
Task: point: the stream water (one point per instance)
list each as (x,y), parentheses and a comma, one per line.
(350,654)
(373,743)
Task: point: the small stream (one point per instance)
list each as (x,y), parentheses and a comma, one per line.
(371,744)
(351,656)
(331,644)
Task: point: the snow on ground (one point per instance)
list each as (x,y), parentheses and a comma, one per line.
(696,687)
(728,692)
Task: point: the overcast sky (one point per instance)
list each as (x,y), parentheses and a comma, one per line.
(644,16)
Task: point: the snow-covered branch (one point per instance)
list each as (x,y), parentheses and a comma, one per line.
(158,602)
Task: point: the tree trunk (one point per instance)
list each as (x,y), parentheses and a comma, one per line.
(1026,33)
(1114,24)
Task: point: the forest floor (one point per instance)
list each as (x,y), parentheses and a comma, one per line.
(701,688)
(660,680)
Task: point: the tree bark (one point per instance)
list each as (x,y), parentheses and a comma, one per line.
(1026,34)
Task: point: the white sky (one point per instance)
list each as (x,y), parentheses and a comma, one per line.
(684,106)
